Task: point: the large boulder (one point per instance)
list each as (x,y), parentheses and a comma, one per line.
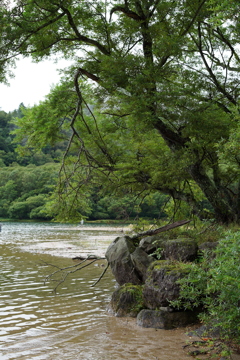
(165,318)
(127,300)
(161,285)
(119,258)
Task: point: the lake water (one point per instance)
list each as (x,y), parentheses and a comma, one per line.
(73,324)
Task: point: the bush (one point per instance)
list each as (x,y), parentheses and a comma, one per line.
(215,284)
(18,210)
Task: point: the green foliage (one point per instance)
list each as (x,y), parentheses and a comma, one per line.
(114,206)
(18,210)
(24,191)
(215,285)
(164,107)
(6,147)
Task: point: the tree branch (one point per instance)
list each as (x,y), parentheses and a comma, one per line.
(125,10)
(76,267)
(161,229)
(81,37)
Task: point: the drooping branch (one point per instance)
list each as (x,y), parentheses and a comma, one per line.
(66,271)
(101,276)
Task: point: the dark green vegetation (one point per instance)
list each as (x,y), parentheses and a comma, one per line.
(28,185)
(213,283)
(24,191)
(150,103)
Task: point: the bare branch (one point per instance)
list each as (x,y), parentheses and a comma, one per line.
(101,276)
(65,272)
(161,229)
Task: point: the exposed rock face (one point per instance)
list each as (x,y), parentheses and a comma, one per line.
(141,262)
(161,285)
(119,258)
(165,318)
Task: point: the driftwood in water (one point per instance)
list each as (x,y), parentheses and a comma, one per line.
(88,257)
(161,229)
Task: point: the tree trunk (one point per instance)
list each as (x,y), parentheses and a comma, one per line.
(224,212)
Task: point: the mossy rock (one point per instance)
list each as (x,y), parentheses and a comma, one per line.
(161,285)
(151,243)
(181,249)
(127,300)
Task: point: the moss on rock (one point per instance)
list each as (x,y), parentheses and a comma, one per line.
(161,285)
(127,300)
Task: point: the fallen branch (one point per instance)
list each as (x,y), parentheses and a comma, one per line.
(161,229)
(76,267)
(88,257)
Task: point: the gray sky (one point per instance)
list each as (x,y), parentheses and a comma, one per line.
(31,83)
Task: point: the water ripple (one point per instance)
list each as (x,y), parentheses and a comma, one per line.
(35,324)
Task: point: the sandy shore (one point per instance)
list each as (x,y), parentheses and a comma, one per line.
(100,228)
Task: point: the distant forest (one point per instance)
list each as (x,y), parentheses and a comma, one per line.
(29,179)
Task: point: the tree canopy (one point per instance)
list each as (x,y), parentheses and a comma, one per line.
(151,100)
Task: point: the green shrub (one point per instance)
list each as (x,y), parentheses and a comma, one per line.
(214,283)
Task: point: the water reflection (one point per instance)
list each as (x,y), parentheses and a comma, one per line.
(74,324)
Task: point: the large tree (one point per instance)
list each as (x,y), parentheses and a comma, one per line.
(164,78)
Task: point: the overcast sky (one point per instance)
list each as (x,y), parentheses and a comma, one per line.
(31,83)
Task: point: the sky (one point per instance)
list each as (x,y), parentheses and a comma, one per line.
(32,82)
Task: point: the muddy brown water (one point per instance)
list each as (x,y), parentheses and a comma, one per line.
(73,324)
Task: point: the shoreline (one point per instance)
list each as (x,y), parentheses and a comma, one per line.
(100,228)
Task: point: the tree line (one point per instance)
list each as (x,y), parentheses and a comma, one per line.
(28,185)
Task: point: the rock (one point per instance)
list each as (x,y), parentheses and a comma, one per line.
(212,331)
(118,255)
(161,284)
(165,318)
(141,262)
(151,243)
(181,249)
(127,300)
